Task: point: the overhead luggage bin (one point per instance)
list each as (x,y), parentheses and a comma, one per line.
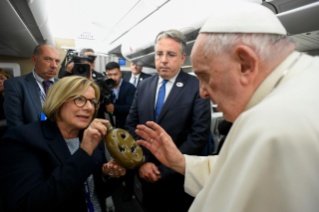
(189,16)
(24,24)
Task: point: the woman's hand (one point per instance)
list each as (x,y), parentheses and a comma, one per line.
(161,145)
(93,135)
(113,169)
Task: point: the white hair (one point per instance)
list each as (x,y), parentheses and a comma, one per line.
(266,46)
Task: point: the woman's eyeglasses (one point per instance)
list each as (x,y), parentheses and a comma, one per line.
(81,102)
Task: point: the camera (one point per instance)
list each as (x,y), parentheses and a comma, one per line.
(106,85)
(79,68)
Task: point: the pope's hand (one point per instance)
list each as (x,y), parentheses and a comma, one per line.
(161,145)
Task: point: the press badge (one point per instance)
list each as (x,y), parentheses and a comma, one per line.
(43,117)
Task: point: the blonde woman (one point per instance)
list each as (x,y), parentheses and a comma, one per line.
(59,164)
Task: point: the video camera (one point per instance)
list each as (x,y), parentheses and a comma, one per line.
(106,85)
(80,68)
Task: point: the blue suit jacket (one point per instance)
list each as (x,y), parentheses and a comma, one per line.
(123,103)
(186,118)
(142,77)
(38,172)
(22,104)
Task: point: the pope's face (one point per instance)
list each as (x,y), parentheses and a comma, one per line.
(218,80)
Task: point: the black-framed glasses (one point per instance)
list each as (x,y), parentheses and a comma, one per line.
(81,102)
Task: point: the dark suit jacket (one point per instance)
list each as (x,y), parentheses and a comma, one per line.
(22,104)
(123,103)
(184,116)
(142,77)
(96,75)
(38,172)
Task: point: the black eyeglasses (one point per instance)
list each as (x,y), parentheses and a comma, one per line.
(81,102)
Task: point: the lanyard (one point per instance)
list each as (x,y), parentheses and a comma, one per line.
(42,93)
(88,199)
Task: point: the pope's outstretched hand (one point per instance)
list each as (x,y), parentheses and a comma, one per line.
(161,146)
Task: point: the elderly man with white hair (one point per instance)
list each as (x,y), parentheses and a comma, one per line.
(269,162)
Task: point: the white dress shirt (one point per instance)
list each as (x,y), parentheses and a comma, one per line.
(168,87)
(137,79)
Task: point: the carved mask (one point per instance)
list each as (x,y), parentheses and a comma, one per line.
(124,149)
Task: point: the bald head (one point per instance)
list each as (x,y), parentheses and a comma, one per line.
(46,60)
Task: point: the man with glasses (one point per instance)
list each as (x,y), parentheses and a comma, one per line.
(25,95)
(122,97)
(171,99)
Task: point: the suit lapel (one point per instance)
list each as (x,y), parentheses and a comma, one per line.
(151,100)
(121,90)
(55,140)
(172,95)
(32,87)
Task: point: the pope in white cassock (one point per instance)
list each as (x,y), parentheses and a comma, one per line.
(270,159)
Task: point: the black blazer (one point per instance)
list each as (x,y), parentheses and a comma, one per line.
(22,104)
(186,118)
(123,103)
(142,77)
(38,172)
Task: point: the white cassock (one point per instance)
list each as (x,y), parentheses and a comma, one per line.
(270,159)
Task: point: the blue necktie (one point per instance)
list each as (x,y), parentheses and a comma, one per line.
(160,99)
(134,82)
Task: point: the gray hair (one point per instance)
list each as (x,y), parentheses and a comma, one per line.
(266,46)
(175,35)
(85,50)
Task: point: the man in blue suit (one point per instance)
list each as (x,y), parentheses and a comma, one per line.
(171,99)
(25,95)
(136,76)
(123,95)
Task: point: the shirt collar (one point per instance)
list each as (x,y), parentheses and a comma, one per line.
(269,83)
(137,76)
(171,80)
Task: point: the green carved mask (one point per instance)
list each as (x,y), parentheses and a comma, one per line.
(124,149)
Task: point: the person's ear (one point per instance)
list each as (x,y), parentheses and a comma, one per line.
(34,59)
(183,58)
(248,61)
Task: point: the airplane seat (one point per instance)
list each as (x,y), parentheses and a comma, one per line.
(218,137)
(214,129)
(222,128)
